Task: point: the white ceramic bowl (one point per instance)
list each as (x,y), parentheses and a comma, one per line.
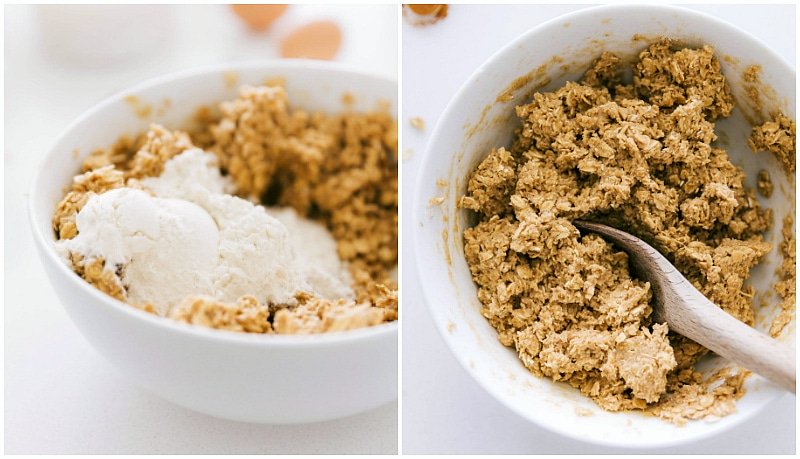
(475,121)
(252,378)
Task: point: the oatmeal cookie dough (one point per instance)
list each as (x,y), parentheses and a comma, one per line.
(640,157)
(340,170)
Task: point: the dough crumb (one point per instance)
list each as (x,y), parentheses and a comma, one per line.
(751,73)
(764,183)
(417,123)
(437,201)
(779,137)
(751,78)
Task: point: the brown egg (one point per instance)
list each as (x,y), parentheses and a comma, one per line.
(259,17)
(315,40)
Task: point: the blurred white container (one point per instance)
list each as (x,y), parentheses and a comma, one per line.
(99,35)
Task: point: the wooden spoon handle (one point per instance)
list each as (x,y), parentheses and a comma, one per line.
(715,329)
(691,314)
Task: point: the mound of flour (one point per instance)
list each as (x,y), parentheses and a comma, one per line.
(192,237)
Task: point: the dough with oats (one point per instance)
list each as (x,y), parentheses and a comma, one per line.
(639,156)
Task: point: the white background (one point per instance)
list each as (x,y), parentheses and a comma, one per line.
(60,396)
(444,410)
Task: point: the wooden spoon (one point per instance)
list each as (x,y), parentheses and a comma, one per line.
(686,311)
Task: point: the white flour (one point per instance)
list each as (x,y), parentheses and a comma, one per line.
(317,256)
(194,238)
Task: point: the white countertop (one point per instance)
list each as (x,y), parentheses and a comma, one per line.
(60,395)
(444,409)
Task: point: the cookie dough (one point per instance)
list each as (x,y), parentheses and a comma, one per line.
(639,156)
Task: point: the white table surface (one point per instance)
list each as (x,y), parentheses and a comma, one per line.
(60,395)
(444,409)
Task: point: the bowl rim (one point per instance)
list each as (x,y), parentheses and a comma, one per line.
(50,256)
(419,209)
